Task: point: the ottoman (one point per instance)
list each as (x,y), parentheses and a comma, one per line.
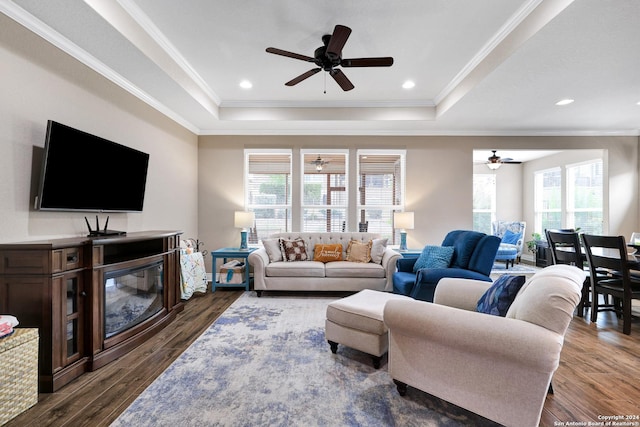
(356,322)
(507,253)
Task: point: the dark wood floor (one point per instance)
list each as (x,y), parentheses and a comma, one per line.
(599,374)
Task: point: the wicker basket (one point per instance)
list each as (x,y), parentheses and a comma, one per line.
(18,373)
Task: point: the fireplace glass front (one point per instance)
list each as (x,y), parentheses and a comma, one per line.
(131,297)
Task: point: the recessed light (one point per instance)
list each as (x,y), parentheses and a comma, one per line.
(638,103)
(408,84)
(564,102)
(246,84)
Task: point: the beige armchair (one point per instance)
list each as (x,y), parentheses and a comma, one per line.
(497,367)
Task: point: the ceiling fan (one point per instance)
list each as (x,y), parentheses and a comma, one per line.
(329,56)
(319,163)
(494,161)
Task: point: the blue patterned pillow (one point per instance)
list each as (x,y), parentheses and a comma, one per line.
(498,298)
(511,238)
(434,257)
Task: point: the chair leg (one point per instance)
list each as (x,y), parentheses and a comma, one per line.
(550,390)
(584,301)
(594,306)
(626,316)
(402,387)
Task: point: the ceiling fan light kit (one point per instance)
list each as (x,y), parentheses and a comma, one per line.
(494,161)
(329,56)
(319,163)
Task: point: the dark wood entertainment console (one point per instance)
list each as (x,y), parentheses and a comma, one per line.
(57,286)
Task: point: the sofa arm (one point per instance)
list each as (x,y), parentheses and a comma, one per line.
(406,264)
(460,293)
(389,260)
(495,338)
(259,259)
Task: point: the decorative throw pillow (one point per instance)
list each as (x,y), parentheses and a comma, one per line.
(293,250)
(498,298)
(378,247)
(272,246)
(358,251)
(327,253)
(434,257)
(510,237)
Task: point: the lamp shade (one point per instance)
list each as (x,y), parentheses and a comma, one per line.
(244,219)
(403,220)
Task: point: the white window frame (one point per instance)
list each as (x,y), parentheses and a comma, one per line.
(538,199)
(320,152)
(252,207)
(570,209)
(394,207)
(494,195)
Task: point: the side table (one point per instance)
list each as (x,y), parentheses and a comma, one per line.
(409,253)
(224,254)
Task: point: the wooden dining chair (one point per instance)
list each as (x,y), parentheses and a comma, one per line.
(610,253)
(565,248)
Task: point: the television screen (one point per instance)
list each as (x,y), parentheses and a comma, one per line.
(84,172)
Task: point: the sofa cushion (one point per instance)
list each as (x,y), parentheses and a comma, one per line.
(358,251)
(293,250)
(354,269)
(295,269)
(272,246)
(378,247)
(327,253)
(434,257)
(499,297)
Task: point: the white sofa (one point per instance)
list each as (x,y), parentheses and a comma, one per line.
(498,367)
(318,276)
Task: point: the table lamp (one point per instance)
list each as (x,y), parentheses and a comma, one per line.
(403,221)
(244,220)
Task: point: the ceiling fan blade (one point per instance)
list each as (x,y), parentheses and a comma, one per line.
(303,76)
(281,52)
(367,62)
(337,41)
(341,79)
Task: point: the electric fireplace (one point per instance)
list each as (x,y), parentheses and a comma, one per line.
(131,296)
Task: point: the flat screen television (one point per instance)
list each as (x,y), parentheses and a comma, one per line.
(83,172)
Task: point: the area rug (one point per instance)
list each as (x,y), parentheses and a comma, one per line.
(265,362)
(526,269)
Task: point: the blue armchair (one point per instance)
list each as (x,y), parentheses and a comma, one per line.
(512,235)
(473,255)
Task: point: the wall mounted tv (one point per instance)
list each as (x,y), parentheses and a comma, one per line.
(83,172)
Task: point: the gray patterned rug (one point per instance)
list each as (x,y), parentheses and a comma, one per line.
(499,268)
(265,362)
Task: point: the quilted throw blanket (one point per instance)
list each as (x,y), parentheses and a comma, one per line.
(193,277)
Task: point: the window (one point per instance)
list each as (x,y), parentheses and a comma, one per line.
(268,191)
(324,191)
(484,202)
(381,183)
(548,199)
(325,180)
(584,197)
(574,200)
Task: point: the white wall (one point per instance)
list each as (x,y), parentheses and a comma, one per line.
(39,82)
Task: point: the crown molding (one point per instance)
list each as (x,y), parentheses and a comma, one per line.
(47,33)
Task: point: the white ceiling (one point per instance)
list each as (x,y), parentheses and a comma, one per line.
(482,67)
